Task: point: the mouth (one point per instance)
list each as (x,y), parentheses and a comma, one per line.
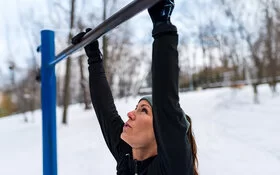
(127,125)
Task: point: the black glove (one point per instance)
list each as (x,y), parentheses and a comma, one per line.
(161,12)
(92,49)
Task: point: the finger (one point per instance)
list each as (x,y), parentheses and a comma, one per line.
(78,38)
(88,29)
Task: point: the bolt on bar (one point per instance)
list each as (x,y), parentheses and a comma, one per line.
(124,14)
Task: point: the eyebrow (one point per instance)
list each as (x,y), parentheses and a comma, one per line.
(144,105)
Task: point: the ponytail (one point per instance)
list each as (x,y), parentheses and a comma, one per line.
(193,146)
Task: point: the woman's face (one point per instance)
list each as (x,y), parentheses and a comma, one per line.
(138,131)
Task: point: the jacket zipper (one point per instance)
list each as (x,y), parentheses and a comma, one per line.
(136,168)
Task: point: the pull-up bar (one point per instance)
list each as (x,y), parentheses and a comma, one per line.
(124,14)
(48,78)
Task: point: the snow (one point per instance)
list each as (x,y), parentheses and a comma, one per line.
(234,136)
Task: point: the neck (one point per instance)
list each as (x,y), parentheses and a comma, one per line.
(143,153)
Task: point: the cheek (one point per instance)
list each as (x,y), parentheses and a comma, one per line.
(145,123)
(145,128)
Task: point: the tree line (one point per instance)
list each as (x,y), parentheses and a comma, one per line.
(228,44)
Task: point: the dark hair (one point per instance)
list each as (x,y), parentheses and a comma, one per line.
(193,146)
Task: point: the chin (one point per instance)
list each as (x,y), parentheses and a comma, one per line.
(125,138)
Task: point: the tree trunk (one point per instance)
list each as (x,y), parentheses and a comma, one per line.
(68,68)
(259,68)
(256,96)
(83,82)
(105,45)
(84,85)
(272,71)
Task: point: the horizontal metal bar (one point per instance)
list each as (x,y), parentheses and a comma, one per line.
(121,16)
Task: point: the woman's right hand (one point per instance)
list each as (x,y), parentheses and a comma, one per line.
(92,49)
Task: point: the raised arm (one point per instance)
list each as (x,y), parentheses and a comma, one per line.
(110,122)
(170,123)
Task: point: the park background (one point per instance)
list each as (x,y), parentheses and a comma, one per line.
(229,70)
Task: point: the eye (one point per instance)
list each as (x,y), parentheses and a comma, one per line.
(144,110)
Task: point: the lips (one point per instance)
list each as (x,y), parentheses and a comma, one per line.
(127,125)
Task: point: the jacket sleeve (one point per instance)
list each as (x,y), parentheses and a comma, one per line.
(110,122)
(170,123)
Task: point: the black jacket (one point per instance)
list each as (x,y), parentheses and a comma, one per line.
(170,125)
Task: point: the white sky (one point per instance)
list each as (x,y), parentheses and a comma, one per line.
(11,32)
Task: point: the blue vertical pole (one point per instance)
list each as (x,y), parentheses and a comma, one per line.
(48,100)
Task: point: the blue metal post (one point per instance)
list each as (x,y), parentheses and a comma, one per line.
(48,100)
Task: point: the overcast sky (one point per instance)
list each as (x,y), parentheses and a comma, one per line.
(13,36)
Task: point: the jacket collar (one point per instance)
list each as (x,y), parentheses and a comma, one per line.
(137,166)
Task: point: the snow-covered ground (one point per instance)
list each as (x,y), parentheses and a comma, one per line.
(234,136)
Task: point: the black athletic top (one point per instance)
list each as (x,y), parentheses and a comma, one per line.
(170,125)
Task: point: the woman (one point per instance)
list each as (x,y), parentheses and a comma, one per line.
(157,138)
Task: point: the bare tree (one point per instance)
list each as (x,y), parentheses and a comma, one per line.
(122,61)
(32,37)
(272,42)
(68,67)
(269,44)
(83,81)
(253,47)
(276,7)
(210,44)
(24,87)
(108,6)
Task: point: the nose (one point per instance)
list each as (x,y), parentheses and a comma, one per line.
(131,115)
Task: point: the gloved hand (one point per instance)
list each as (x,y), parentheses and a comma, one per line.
(161,12)
(92,49)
